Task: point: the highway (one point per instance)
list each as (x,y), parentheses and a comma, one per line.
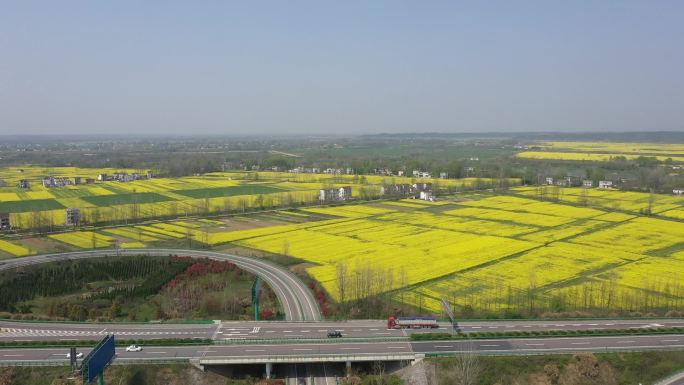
(246,330)
(341,349)
(296,299)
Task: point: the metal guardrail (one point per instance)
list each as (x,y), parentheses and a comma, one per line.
(281,341)
(310,358)
(35,363)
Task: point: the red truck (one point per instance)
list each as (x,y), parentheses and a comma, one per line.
(412,323)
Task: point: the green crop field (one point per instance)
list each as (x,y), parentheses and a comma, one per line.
(124,199)
(30,205)
(216,192)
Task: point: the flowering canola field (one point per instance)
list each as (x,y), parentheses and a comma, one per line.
(111,201)
(494,254)
(605,151)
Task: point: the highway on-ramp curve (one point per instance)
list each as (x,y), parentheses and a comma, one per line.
(297,301)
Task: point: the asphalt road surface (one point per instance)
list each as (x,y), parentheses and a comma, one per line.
(241,330)
(493,346)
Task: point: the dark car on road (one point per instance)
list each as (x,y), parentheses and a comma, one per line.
(334,333)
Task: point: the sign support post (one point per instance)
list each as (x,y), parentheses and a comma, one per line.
(256,293)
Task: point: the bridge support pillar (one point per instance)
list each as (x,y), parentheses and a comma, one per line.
(348,368)
(269,369)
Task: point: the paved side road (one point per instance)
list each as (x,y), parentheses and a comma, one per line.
(296,299)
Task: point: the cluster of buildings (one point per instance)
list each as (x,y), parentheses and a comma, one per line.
(54,181)
(317,170)
(73,216)
(571,181)
(335,194)
(5,222)
(124,177)
(414,173)
(422,190)
(60,181)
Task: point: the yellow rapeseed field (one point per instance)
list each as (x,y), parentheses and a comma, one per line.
(594,157)
(14,249)
(84,239)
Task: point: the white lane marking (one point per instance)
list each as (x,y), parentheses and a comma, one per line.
(476,327)
(534,344)
(156,352)
(444,346)
(609,324)
(12,355)
(350,348)
(255,350)
(287,331)
(206,351)
(493,327)
(489,345)
(527,326)
(356,330)
(579,343)
(303,350)
(669,340)
(382,333)
(396,347)
(374,330)
(305,331)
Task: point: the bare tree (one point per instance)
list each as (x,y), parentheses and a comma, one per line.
(465,370)
(342,281)
(285,249)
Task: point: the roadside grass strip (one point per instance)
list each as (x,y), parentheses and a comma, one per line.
(545,334)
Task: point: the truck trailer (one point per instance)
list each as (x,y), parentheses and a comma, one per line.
(412,323)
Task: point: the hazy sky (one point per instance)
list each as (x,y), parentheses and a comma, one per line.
(229,67)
